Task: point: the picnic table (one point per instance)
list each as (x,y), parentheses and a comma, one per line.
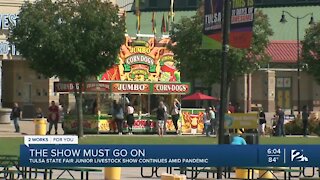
(154,172)
(194,171)
(286,171)
(10,167)
(84,172)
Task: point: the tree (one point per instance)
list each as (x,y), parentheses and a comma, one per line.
(311,51)
(205,64)
(72,39)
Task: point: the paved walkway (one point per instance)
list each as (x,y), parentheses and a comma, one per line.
(27,128)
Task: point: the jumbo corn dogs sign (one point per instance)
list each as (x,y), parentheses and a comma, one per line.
(147,60)
(144,67)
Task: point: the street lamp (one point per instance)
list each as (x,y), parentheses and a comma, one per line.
(283,20)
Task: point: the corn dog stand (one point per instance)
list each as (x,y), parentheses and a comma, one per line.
(146,73)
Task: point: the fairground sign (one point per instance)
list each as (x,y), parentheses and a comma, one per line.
(124,87)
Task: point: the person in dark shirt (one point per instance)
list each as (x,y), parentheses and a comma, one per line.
(305,117)
(280,122)
(262,122)
(16,116)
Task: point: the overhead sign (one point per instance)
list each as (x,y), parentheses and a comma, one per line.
(242,12)
(171,88)
(124,87)
(88,87)
(127,87)
(141,60)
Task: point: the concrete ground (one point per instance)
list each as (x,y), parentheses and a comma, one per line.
(134,173)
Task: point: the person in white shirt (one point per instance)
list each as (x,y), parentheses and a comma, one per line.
(213,122)
(130,118)
(175,114)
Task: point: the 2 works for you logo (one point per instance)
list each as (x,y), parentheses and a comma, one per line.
(298,156)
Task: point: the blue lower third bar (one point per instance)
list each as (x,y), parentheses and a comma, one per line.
(167,155)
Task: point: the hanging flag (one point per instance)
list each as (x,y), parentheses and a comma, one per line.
(154,24)
(240,25)
(138,22)
(137,7)
(172,11)
(138,14)
(125,23)
(163,25)
(167,22)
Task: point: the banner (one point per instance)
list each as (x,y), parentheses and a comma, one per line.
(211,38)
(242,12)
(241,120)
(169,155)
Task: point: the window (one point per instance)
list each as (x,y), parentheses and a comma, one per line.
(192,2)
(153,3)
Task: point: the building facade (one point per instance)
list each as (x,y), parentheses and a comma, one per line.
(270,86)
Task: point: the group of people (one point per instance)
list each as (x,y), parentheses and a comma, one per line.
(53,117)
(210,122)
(119,114)
(162,115)
(123,110)
(279,118)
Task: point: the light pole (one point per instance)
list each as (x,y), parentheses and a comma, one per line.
(224,68)
(298,18)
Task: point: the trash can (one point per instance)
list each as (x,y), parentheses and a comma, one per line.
(251,138)
(112,173)
(227,139)
(40,126)
(243,173)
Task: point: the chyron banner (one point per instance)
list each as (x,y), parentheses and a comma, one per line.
(242,13)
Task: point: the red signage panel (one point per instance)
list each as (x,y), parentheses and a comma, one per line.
(127,87)
(98,87)
(174,88)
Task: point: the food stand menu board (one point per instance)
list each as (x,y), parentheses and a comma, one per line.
(192,121)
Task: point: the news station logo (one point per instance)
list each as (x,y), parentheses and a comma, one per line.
(298,156)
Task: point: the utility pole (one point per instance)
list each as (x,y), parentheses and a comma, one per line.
(224,67)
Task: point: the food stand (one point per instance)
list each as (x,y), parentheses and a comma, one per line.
(145,73)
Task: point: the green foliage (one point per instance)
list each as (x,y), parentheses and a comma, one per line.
(71,39)
(295,127)
(311,51)
(205,64)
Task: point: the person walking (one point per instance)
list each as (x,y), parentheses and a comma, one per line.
(305,118)
(280,122)
(262,122)
(130,118)
(207,122)
(175,114)
(53,117)
(213,122)
(118,116)
(16,116)
(161,115)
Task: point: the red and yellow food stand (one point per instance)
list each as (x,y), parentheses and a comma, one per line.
(146,73)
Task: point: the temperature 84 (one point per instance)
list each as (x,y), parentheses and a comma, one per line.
(273,159)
